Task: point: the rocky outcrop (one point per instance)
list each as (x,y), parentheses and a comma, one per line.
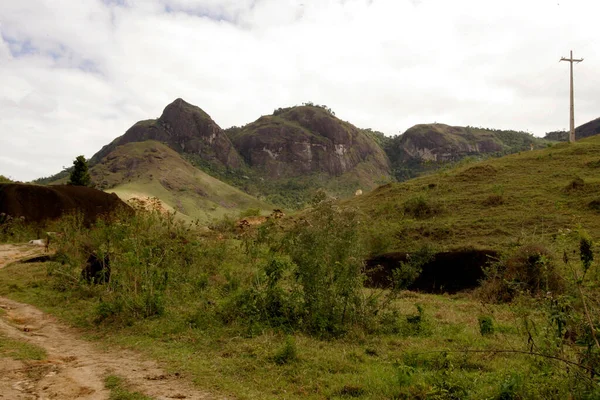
(441,143)
(303,140)
(186,129)
(426,147)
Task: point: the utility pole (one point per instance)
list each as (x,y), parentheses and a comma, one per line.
(572,60)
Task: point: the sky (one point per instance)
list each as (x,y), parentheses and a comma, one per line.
(75,74)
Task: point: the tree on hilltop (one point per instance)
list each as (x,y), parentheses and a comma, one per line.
(80,176)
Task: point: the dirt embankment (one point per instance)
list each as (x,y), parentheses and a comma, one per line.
(40,203)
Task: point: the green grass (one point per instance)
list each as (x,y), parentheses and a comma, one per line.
(119,390)
(20,350)
(404,363)
(418,346)
(496,203)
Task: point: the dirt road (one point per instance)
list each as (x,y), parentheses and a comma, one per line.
(74,368)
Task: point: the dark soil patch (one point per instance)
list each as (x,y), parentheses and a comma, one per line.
(447,272)
(40,203)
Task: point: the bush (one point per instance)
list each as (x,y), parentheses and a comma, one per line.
(531,269)
(486,325)
(328,267)
(406,274)
(312,278)
(420,207)
(287,353)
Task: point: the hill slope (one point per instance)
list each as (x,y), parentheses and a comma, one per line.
(494,203)
(151,169)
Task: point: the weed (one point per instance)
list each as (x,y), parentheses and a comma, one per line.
(288,353)
(510,388)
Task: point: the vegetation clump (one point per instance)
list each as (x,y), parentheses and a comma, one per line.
(529,269)
(420,207)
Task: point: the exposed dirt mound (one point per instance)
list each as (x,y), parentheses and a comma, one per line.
(41,203)
(447,272)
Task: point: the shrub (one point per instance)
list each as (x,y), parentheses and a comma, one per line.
(530,269)
(406,274)
(287,353)
(486,325)
(313,278)
(420,207)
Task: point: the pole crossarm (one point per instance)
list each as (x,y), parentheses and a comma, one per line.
(577,60)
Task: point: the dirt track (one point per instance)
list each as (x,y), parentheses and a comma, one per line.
(74,369)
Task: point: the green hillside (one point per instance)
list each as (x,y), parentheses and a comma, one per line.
(493,203)
(151,169)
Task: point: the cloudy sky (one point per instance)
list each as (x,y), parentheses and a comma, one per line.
(75,74)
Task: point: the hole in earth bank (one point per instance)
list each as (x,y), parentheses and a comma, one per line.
(447,272)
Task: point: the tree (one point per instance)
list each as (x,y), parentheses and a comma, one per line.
(4,179)
(80,175)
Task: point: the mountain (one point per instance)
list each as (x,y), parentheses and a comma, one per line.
(586,130)
(495,204)
(152,169)
(185,128)
(428,146)
(304,140)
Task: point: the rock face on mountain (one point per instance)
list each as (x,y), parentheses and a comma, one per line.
(186,129)
(439,142)
(307,139)
(426,146)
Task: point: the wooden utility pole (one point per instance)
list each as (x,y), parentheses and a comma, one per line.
(572,132)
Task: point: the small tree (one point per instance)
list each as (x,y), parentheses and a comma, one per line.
(4,179)
(80,175)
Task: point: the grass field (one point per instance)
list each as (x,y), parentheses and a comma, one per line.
(493,204)
(280,312)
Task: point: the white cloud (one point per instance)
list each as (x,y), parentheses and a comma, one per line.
(75,75)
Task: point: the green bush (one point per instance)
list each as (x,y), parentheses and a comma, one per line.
(530,269)
(486,325)
(420,207)
(288,353)
(408,272)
